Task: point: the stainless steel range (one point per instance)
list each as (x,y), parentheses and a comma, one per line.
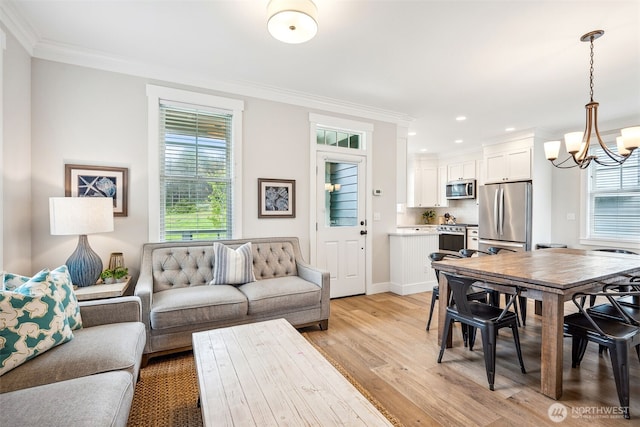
(453,237)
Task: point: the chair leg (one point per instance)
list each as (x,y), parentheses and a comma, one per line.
(465,334)
(434,297)
(489,349)
(472,336)
(448,323)
(516,340)
(515,306)
(522,301)
(620,364)
(578,348)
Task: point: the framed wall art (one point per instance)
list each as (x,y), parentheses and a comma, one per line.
(276,198)
(98,181)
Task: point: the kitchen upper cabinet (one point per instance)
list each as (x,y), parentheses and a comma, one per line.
(426,183)
(458,171)
(442,187)
(512,165)
(426,194)
(422,183)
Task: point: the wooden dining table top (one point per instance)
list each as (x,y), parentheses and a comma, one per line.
(559,269)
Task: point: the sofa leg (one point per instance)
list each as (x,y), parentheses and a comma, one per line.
(145,361)
(324,325)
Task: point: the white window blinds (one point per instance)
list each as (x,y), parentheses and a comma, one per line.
(195,173)
(615,200)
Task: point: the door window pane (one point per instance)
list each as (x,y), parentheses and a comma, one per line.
(341,194)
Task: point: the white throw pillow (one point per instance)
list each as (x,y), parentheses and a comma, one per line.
(232,267)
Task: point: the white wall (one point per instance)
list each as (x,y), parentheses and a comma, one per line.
(92,117)
(566,200)
(16,161)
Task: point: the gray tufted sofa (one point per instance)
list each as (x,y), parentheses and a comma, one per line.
(177,299)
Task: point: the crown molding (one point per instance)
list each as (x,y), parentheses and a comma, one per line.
(40,48)
(93,59)
(17,25)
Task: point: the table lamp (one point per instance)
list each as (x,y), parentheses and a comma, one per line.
(81,216)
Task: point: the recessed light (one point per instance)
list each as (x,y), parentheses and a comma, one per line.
(411,133)
(461,118)
(509,129)
(458,141)
(423,150)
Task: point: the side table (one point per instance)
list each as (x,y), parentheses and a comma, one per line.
(100,291)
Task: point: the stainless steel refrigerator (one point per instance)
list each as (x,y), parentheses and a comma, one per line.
(505,216)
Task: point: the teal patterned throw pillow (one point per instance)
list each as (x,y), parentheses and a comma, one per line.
(32,321)
(62,279)
(12,281)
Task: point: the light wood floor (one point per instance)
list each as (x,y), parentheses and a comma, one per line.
(381,340)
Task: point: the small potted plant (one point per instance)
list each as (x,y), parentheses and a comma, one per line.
(429,216)
(107,277)
(120,274)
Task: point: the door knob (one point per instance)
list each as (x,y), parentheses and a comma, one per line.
(363,232)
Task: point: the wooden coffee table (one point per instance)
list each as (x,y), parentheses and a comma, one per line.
(266,373)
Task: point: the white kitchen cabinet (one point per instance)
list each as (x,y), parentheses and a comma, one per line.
(410,267)
(513,165)
(443,176)
(427,185)
(472,238)
(423,189)
(465,170)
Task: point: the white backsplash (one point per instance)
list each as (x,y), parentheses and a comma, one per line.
(465,212)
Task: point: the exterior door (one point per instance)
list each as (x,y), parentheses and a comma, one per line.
(341,222)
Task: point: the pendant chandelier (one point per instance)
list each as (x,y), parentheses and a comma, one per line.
(578,143)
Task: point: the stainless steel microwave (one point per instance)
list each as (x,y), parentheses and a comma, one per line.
(463,189)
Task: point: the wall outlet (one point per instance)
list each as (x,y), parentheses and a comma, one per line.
(571,217)
(377,216)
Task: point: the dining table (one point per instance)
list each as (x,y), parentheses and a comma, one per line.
(551,276)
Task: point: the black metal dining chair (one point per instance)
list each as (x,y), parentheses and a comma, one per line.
(616,335)
(474,294)
(520,306)
(476,315)
(592,299)
(628,304)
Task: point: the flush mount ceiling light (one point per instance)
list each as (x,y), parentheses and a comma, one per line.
(578,143)
(292,21)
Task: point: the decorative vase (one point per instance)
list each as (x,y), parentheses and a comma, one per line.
(84,264)
(116,260)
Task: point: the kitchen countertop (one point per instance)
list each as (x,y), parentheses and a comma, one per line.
(415,230)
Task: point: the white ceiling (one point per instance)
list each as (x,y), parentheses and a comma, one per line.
(499,63)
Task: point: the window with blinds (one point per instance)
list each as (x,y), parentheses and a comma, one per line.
(614,199)
(195,173)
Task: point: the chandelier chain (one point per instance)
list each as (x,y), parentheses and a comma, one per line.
(591,71)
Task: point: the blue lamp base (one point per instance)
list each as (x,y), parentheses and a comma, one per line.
(84,264)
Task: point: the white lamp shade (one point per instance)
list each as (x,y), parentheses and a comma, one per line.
(551,149)
(573,141)
(80,215)
(620,143)
(292,21)
(631,137)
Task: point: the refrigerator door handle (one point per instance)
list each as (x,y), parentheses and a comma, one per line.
(496,215)
(501,213)
(501,243)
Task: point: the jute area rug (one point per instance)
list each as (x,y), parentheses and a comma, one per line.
(167,393)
